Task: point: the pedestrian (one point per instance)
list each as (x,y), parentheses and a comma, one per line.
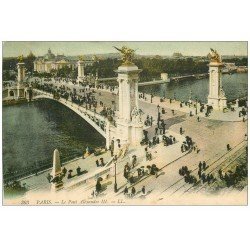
(220,174)
(156,131)
(98,187)
(134,161)
(138,172)
(133,191)
(102,162)
(151,120)
(198,119)
(200,166)
(182,148)
(204,165)
(203,177)
(78,170)
(49,177)
(64,171)
(199,173)
(125,191)
(143,190)
(97,163)
(181,131)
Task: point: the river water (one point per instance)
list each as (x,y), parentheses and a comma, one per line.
(235,86)
(32,131)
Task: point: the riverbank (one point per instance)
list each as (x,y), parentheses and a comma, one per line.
(11,102)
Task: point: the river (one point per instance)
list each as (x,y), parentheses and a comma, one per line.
(235,86)
(33,130)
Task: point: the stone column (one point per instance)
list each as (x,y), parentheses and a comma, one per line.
(20,72)
(216,97)
(20,76)
(80,70)
(56,173)
(129,125)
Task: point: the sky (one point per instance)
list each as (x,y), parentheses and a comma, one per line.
(12,49)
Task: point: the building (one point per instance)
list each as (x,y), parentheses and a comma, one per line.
(164,76)
(229,67)
(50,62)
(177,55)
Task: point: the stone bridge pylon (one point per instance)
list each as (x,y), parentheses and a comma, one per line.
(129,125)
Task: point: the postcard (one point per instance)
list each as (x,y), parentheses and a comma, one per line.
(125,123)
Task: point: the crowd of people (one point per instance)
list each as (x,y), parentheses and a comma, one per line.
(191,179)
(133,192)
(188,145)
(203,177)
(231,178)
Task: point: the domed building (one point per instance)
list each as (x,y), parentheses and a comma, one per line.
(49,55)
(51,61)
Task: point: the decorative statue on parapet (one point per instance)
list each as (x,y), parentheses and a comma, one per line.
(136,115)
(127,55)
(20,58)
(222,93)
(81,58)
(95,58)
(214,56)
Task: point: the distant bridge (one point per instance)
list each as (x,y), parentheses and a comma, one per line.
(186,77)
(98,122)
(104,80)
(153,82)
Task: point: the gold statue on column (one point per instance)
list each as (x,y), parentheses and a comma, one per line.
(127,55)
(81,58)
(20,58)
(214,56)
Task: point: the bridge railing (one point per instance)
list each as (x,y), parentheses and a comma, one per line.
(99,120)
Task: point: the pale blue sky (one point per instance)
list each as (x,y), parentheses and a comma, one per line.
(143,48)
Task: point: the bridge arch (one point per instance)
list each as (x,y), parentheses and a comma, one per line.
(99,123)
(11,93)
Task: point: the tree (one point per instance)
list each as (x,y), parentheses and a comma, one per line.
(29,62)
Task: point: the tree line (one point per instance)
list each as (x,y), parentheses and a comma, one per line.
(152,67)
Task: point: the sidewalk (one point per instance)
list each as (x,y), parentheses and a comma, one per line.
(161,156)
(230,116)
(40,182)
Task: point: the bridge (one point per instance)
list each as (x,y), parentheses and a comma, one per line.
(97,121)
(186,77)
(153,82)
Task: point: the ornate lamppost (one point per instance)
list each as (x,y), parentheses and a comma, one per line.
(115,184)
(158,118)
(196,112)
